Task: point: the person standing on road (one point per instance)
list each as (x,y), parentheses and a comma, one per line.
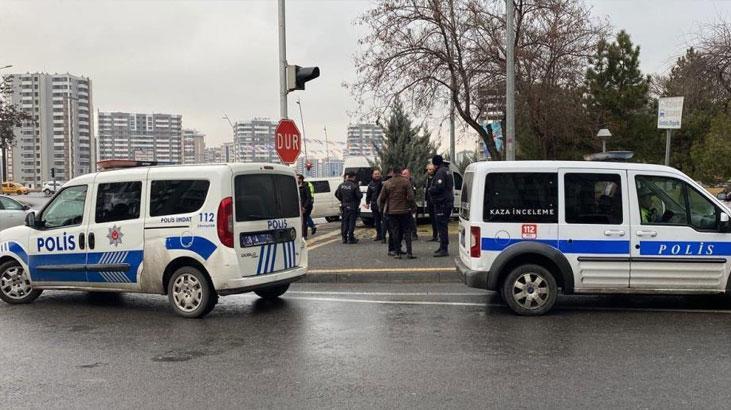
(442,196)
(349,195)
(397,198)
(430,170)
(310,222)
(306,202)
(374,190)
(407,174)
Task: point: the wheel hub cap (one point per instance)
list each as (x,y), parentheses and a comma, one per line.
(531,291)
(14,283)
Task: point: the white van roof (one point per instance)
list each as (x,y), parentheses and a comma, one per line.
(486,166)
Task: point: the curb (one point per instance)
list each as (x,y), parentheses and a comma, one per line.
(365,276)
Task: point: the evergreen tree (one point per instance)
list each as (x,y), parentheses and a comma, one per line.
(405,146)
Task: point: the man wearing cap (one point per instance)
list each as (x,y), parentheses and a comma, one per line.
(441,193)
(349,195)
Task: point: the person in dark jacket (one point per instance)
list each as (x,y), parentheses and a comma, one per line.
(349,195)
(407,174)
(430,170)
(374,190)
(442,196)
(306,202)
(397,199)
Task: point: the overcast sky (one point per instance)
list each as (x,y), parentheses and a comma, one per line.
(202,59)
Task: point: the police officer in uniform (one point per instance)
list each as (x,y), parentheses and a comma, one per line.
(374,190)
(349,195)
(441,193)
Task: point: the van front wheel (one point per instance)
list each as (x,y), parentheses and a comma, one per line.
(530,290)
(15,286)
(190,293)
(272,292)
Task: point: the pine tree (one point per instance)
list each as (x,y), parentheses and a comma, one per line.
(405,146)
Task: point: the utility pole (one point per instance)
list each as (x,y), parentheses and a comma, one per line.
(327,153)
(668,136)
(282,62)
(452,153)
(510,83)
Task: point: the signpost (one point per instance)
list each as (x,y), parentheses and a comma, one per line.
(669,117)
(288,141)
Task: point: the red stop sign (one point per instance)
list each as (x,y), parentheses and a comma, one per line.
(288,141)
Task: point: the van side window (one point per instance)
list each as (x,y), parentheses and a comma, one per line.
(177,196)
(593,198)
(65,209)
(320,186)
(521,197)
(464,208)
(669,201)
(119,201)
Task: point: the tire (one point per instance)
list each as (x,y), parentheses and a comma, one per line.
(272,292)
(332,218)
(15,286)
(530,290)
(190,293)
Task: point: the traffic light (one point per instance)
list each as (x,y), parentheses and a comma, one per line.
(308,165)
(53,172)
(297,76)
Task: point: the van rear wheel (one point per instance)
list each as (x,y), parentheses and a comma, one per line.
(190,293)
(272,292)
(530,290)
(15,285)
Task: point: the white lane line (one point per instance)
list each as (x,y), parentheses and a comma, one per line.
(380,270)
(388,302)
(322,237)
(564,308)
(307,292)
(311,248)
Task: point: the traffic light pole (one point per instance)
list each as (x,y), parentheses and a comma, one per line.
(282,62)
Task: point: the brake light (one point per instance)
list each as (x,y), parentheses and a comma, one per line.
(225,222)
(475,241)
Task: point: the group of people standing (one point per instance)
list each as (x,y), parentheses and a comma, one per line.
(393,205)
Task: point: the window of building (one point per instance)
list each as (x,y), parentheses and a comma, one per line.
(119,201)
(593,198)
(177,196)
(521,197)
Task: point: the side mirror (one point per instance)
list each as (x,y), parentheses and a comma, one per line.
(26,207)
(30,219)
(723,225)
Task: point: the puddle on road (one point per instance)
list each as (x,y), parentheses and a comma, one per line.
(174,356)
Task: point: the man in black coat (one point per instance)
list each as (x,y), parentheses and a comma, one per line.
(442,196)
(374,189)
(430,170)
(306,202)
(349,195)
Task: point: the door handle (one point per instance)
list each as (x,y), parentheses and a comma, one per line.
(614,232)
(651,234)
(82,241)
(91,240)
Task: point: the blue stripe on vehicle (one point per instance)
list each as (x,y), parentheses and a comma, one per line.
(261,257)
(294,253)
(565,246)
(698,248)
(285,252)
(14,247)
(197,244)
(274,258)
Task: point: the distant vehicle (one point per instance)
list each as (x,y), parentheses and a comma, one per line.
(193,232)
(50,188)
(10,188)
(12,212)
(326,205)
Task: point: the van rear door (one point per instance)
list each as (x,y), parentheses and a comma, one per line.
(267,221)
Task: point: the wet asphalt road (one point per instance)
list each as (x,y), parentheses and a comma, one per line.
(365,346)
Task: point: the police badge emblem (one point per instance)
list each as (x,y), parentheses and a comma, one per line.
(115,235)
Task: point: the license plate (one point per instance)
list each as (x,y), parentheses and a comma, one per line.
(249,239)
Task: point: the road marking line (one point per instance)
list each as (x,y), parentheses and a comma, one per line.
(311,248)
(307,292)
(377,270)
(322,237)
(388,302)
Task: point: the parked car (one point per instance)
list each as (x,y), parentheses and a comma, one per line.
(50,187)
(10,188)
(326,205)
(12,212)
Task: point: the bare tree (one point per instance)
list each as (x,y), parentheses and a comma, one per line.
(715,50)
(430,51)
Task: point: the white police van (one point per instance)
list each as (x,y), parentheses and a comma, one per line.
(191,232)
(528,229)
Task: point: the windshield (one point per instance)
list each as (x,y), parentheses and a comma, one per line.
(362,174)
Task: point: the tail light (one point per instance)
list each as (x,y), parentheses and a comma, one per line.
(225,222)
(475,239)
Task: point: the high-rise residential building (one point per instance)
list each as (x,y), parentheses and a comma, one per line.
(330,167)
(194,146)
(217,155)
(254,141)
(142,137)
(363,140)
(60,135)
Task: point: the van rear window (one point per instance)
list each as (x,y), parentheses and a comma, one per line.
(521,197)
(266,196)
(464,206)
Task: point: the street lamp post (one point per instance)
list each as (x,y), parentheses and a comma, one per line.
(603,134)
(233,135)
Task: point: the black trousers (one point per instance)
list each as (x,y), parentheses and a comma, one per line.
(305,217)
(347,224)
(389,231)
(442,212)
(377,221)
(402,229)
(432,219)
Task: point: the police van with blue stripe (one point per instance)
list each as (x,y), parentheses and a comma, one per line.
(530,229)
(192,232)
